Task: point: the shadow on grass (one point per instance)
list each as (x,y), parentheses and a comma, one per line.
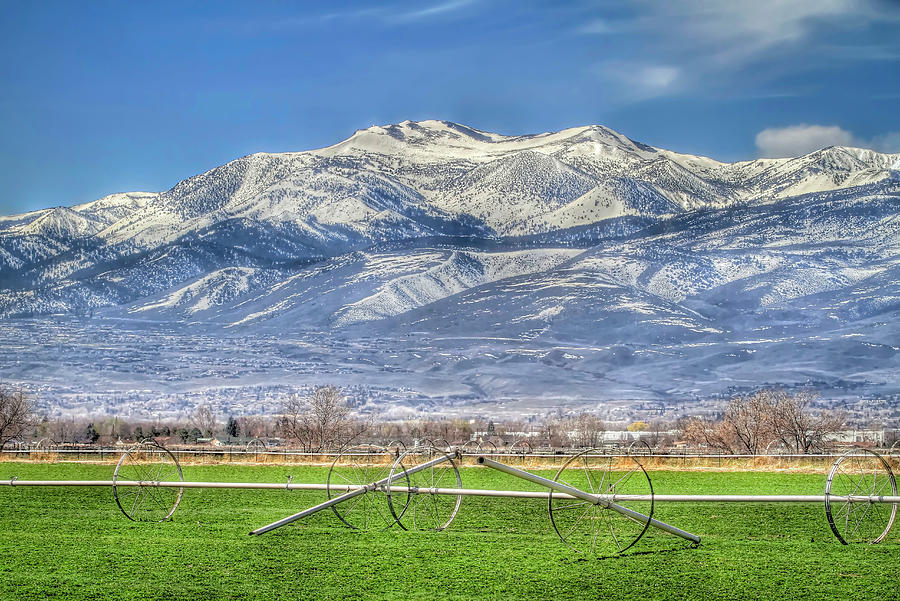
(649,552)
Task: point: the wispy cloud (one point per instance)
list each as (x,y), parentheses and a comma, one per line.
(384,14)
(711,43)
(596,27)
(429,12)
(642,81)
(797,140)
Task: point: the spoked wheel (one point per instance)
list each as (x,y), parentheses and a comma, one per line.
(487,448)
(256,449)
(895,449)
(363,466)
(520,450)
(860,473)
(396,447)
(425,510)
(470,447)
(639,448)
(136,481)
(442,444)
(592,528)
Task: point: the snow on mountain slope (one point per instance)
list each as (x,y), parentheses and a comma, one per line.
(112,208)
(513,189)
(611,198)
(460,271)
(212,290)
(62,223)
(448,169)
(356,288)
(831,168)
(693,274)
(16,222)
(414,181)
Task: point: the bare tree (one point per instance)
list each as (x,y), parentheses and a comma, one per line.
(750,419)
(717,436)
(319,420)
(585,430)
(800,428)
(16,414)
(752,422)
(255,426)
(204,420)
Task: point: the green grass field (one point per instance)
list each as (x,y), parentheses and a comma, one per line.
(73,543)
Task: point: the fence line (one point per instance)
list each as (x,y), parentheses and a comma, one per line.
(240,451)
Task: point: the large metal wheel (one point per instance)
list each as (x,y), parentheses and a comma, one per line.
(594,529)
(364,465)
(468,448)
(425,510)
(520,451)
(895,449)
(396,447)
(256,450)
(487,448)
(442,444)
(520,447)
(640,447)
(860,473)
(147,464)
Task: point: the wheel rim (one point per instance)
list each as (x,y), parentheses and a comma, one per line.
(487,448)
(362,466)
(520,450)
(396,447)
(640,447)
(425,510)
(860,472)
(592,528)
(442,444)
(148,463)
(895,449)
(257,449)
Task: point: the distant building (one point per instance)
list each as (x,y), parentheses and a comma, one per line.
(865,437)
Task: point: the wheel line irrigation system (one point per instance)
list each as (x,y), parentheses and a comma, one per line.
(595,505)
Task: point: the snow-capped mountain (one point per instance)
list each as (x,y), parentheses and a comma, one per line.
(581,237)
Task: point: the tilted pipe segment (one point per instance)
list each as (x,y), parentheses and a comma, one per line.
(353,493)
(602,500)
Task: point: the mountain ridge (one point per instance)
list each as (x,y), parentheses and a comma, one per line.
(452,252)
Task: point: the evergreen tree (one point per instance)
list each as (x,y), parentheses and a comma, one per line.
(232,429)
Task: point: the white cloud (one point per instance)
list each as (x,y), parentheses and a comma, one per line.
(735,31)
(384,14)
(657,77)
(732,45)
(797,140)
(638,81)
(595,27)
(889,142)
(430,11)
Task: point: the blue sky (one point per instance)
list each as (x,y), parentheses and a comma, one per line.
(104,97)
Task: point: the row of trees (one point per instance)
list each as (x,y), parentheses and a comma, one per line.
(753,423)
(324,419)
